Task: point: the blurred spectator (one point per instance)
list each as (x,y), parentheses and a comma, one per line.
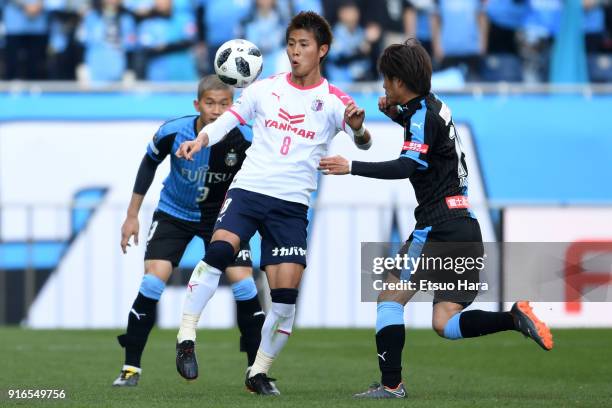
(2,41)
(506,18)
(373,27)
(65,52)
(596,38)
(289,8)
(330,9)
(265,28)
(418,22)
(459,35)
(349,60)
(541,26)
(166,37)
(26,27)
(594,23)
(107,32)
(218,22)
(608,19)
(143,10)
(385,23)
(391,16)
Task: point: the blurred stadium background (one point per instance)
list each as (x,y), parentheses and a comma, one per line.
(87,83)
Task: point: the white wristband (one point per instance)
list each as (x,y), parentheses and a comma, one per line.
(359,132)
(350,166)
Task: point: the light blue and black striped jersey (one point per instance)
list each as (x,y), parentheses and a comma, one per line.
(460,33)
(200,184)
(431,140)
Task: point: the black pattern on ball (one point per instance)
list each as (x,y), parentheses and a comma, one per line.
(223,57)
(255,52)
(243,67)
(228,80)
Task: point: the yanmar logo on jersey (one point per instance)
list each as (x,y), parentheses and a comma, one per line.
(415,147)
(292,120)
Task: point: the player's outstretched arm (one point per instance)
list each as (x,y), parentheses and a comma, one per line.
(354,116)
(336,165)
(210,135)
(189,148)
(400,168)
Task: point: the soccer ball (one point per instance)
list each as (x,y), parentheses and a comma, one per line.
(238,63)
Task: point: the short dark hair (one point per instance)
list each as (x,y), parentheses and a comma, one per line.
(313,22)
(410,63)
(212,83)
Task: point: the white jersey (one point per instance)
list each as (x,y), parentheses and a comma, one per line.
(292,129)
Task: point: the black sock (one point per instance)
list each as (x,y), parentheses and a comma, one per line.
(140,322)
(250,322)
(389,345)
(475,323)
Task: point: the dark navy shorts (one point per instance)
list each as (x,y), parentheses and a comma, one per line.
(281,224)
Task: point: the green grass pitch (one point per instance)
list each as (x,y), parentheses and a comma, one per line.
(318,368)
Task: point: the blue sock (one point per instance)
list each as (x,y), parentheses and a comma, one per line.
(244,289)
(389,313)
(152,287)
(452,330)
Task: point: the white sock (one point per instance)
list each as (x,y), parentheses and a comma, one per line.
(274,335)
(262,363)
(201,287)
(187,330)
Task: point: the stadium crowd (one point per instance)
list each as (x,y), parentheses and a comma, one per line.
(175,40)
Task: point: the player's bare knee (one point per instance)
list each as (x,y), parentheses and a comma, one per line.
(442,313)
(159,268)
(438,324)
(238,273)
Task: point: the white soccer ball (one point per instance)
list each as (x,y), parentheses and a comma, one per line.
(238,63)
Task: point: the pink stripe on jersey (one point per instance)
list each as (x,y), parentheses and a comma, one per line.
(302,88)
(242,121)
(344,98)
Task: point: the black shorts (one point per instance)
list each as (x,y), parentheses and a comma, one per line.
(451,259)
(169,236)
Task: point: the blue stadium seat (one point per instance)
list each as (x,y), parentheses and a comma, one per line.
(600,67)
(502,67)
